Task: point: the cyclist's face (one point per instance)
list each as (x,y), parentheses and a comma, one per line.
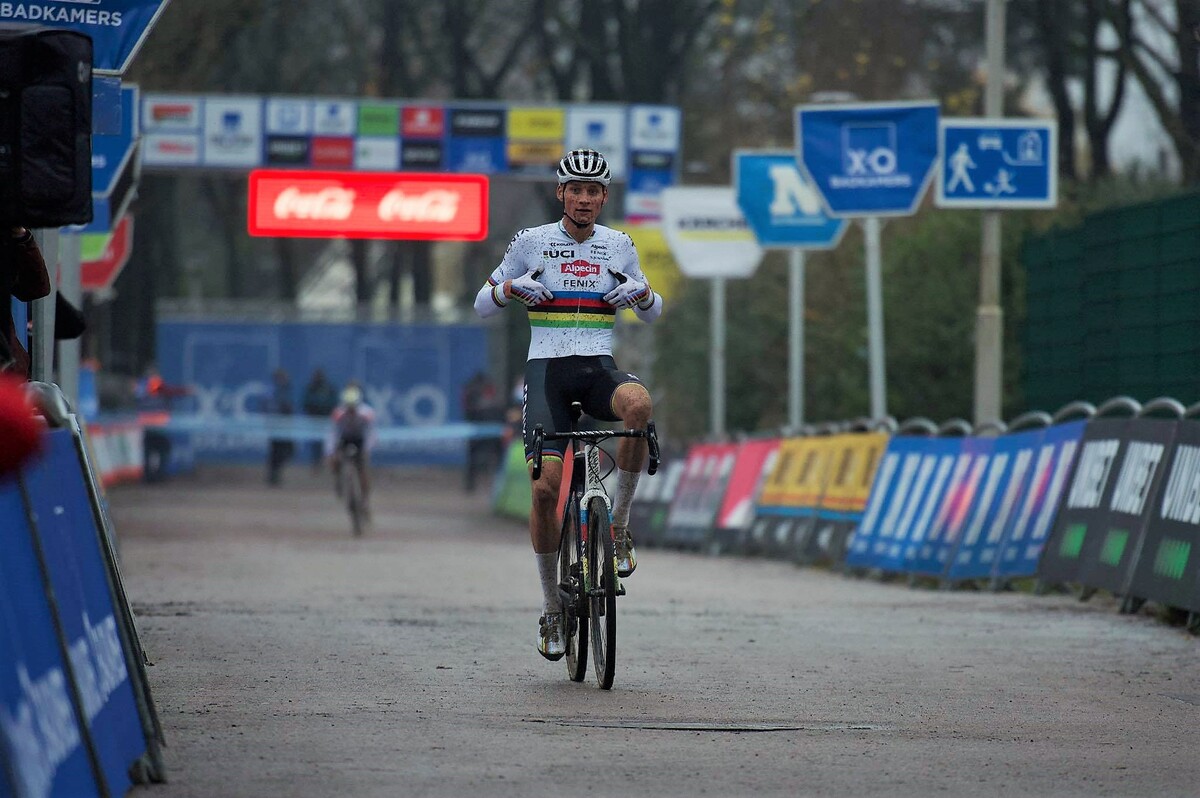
(582,200)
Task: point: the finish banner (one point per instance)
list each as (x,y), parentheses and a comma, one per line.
(1168,570)
(847,486)
(1099,532)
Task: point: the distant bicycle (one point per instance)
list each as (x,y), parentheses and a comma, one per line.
(587,562)
(350,486)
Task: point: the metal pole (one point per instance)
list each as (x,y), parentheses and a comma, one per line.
(716,388)
(796,342)
(41,342)
(70,286)
(989,321)
(871,228)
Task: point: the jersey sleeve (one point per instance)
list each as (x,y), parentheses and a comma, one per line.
(632,266)
(489,301)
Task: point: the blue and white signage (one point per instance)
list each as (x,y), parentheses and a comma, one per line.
(998,163)
(111,153)
(117,27)
(780,204)
(868,159)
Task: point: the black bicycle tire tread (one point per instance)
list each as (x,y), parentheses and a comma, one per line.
(600,535)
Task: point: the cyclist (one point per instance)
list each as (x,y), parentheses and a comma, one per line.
(573,275)
(353,424)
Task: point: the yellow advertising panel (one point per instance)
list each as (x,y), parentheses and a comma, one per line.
(533,153)
(657,262)
(799,474)
(855,458)
(538,124)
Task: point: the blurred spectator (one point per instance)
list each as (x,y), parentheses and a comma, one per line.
(482,402)
(23,277)
(320,398)
(20,430)
(280,404)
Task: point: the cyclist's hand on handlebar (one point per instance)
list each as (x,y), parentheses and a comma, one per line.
(629,293)
(529,291)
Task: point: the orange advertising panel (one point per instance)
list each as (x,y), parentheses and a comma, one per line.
(393,205)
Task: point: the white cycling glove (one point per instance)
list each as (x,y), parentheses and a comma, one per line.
(629,293)
(529,291)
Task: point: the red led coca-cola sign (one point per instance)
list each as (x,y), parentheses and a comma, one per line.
(402,205)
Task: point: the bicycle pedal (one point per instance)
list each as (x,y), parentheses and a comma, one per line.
(620,589)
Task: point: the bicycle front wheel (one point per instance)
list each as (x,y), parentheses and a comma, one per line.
(602,592)
(570,585)
(354,500)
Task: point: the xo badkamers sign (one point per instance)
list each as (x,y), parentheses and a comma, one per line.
(397,205)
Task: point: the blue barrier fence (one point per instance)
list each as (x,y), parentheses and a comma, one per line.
(76,716)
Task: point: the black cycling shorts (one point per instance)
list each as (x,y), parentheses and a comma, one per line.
(552,384)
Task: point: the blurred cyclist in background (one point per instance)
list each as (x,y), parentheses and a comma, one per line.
(353,424)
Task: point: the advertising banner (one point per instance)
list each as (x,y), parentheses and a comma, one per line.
(707,232)
(233,132)
(781,204)
(1098,535)
(737,509)
(1168,570)
(413,376)
(393,205)
(844,497)
(1005,481)
(601,128)
(71,543)
(652,502)
(39,731)
(909,485)
(117,28)
(781,509)
(692,515)
(1025,535)
(931,556)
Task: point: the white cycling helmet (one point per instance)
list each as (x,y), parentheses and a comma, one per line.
(587,165)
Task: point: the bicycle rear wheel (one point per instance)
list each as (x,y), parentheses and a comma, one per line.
(570,584)
(602,593)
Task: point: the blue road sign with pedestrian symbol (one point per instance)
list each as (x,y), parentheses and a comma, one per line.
(868,159)
(780,204)
(998,163)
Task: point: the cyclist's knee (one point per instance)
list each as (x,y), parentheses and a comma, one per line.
(545,494)
(634,406)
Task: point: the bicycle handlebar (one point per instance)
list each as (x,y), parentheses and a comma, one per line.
(596,436)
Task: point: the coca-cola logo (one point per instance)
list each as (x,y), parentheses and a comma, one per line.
(580,268)
(434,205)
(333,204)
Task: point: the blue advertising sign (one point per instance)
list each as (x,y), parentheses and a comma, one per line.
(999,495)
(909,518)
(1026,535)
(868,159)
(41,748)
(117,27)
(998,163)
(780,205)
(71,542)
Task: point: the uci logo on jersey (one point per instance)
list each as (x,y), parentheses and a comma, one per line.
(555,254)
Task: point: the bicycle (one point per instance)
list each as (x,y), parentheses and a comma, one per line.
(350,484)
(587,563)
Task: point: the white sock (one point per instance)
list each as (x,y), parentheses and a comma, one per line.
(548,572)
(626,485)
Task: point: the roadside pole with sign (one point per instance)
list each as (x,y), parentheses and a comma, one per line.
(869,160)
(709,237)
(117,29)
(785,212)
